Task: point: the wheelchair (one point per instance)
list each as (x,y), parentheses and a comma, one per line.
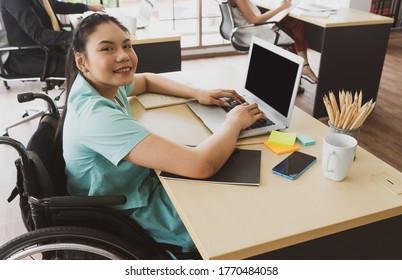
(64,227)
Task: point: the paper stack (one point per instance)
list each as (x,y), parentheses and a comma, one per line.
(281,142)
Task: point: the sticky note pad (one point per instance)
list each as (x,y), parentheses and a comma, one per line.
(305,140)
(282,138)
(281,149)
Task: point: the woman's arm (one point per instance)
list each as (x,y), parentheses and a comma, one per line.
(149,82)
(199,162)
(251,17)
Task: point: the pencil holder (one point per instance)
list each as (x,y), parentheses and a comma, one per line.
(352,132)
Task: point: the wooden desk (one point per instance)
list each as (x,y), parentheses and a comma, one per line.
(236,222)
(352,44)
(158,48)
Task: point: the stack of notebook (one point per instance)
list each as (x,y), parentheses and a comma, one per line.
(242,168)
(281,142)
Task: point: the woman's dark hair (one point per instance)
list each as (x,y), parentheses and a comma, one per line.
(78,44)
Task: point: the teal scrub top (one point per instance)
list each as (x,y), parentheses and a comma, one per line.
(97,135)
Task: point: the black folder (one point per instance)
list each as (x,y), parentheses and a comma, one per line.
(242,168)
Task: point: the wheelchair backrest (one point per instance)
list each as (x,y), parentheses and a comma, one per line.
(46,153)
(46,166)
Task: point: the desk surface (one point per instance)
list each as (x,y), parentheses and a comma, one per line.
(156,32)
(342,17)
(235,222)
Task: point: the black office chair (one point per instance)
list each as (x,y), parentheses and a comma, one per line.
(229,31)
(7,76)
(61,226)
(50,82)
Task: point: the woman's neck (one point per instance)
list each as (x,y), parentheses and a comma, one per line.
(107,91)
(110,94)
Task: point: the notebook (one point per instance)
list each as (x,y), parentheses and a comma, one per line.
(156,100)
(145,13)
(242,168)
(320,6)
(279,16)
(272,79)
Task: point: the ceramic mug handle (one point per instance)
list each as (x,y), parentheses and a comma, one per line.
(329,157)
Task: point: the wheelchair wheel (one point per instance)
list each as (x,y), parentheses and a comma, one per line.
(66,243)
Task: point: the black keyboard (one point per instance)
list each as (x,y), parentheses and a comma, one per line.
(257,124)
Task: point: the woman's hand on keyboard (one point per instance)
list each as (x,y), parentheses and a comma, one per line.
(245,115)
(217,96)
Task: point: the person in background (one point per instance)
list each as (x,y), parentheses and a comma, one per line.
(108,152)
(34,22)
(245,12)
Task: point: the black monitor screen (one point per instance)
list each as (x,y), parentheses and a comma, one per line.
(271,77)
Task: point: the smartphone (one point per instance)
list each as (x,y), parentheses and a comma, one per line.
(294,165)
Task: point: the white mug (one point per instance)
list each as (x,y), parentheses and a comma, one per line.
(338,152)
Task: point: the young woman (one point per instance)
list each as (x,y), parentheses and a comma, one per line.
(108,152)
(245,12)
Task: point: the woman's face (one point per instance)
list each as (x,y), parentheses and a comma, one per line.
(110,60)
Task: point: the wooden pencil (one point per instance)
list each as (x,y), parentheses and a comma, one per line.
(349,113)
(334,104)
(360,99)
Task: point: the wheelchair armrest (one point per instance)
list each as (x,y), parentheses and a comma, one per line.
(76,201)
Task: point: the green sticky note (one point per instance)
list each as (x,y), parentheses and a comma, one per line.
(280,138)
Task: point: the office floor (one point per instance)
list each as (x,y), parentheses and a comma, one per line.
(381,133)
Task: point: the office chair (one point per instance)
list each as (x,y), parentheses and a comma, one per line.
(230,31)
(61,226)
(6,76)
(50,82)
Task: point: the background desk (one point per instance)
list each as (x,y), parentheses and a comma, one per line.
(158,48)
(235,222)
(353,45)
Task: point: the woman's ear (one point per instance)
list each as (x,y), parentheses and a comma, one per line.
(80,62)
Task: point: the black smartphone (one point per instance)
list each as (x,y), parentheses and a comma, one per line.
(294,165)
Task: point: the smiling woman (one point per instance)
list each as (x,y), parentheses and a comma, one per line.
(108,49)
(108,152)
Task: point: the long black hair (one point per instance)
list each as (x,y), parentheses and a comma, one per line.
(78,45)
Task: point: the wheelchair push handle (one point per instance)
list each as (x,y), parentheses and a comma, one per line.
(29,96)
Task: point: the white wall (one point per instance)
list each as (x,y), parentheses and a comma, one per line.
(363,5)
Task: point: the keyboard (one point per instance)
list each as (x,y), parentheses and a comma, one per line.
(259,123)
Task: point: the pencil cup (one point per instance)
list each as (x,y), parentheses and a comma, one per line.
(352,132)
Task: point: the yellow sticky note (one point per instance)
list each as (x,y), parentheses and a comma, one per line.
(281,149)
(280,138)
